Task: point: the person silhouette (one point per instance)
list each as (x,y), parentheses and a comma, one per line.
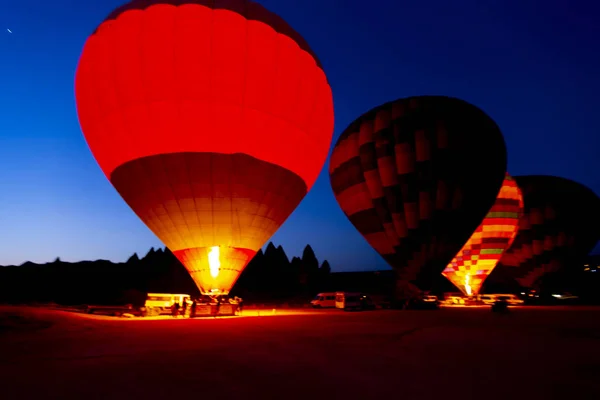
(193,309)
(175,309)
(217,306)
(183,307)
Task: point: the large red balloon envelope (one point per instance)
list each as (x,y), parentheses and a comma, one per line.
(560,226)
(479,256)
(212,119)
(416,177)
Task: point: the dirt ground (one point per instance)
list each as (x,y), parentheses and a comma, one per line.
(531,353)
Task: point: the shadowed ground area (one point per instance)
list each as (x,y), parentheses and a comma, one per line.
(12,321)
(532,353)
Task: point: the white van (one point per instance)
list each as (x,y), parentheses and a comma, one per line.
(161,303)
(324,300)
(348,301)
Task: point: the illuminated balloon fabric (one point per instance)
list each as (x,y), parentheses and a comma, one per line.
(212,119)
(560,224)
(479,256)
(415,177)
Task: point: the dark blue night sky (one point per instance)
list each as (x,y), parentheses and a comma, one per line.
(531,65)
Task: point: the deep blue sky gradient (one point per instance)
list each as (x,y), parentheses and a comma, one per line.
(531,65)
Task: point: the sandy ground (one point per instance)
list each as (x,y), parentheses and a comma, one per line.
(461,353)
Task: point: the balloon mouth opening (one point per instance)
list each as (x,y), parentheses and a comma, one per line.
(214,292)
(215,269)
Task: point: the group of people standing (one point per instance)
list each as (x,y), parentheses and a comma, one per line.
(186,309)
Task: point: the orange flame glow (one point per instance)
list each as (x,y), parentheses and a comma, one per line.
(213,261)
(467,286)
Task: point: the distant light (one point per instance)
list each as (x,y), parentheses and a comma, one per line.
(558,296)
(523,293)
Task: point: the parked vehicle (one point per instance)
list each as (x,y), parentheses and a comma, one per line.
(367,303)
(381,301)
(511,299)
(161,303)
(324,300)
(348,301)
(453,299)
(426,302)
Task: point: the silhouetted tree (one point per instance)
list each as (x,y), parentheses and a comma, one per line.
(298,270)
(309,260)
(324,282)
(282,256)
(134,297)
(247,284)
(270,270)
(325,268)
(310,265)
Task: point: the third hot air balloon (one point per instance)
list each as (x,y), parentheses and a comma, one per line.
(479,256)
(416,176)
(212,119)
(560,226)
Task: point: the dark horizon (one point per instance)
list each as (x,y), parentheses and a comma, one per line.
(386,267)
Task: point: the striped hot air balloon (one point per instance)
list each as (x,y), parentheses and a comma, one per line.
(560,226)
(212,119)
(416,177)
(496,233)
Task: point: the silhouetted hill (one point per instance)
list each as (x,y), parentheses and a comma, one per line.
(269,276)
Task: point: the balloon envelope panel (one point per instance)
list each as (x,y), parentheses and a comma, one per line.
(560,225)
(212,119)
(496,233)
(415,177)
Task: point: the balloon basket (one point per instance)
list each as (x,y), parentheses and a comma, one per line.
(209,310)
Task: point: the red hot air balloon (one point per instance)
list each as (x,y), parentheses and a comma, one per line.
(479,256)
(560,226)
(416,177)
(212,119)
